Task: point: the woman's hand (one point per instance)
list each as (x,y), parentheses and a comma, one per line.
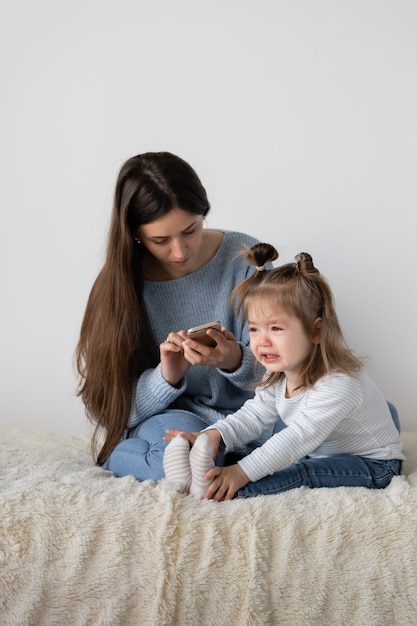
(174,365)
(171,434)
(226,482)
(213,435)
(227,355)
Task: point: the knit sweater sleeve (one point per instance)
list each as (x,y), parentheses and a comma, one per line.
(152,395)
(244,375)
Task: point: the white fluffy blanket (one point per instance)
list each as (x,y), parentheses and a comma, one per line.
(80,547)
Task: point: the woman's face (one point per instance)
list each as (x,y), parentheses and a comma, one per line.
(174,241)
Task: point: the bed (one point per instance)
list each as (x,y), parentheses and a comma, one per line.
(81,547)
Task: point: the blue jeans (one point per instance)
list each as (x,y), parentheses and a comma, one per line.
(338,470)
(141,454)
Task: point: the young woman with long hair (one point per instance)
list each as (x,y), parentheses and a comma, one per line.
(163,273)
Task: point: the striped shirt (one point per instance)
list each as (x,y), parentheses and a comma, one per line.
(340,415)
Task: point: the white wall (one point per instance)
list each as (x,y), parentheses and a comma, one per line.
(299,116)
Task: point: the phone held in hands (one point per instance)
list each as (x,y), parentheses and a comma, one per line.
(198,333)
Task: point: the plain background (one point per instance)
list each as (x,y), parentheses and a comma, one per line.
(298,115)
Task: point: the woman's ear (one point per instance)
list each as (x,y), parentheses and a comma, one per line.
(315,338)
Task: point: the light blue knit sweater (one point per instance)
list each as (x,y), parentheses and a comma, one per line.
(200,297)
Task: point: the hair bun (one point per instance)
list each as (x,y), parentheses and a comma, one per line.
(305,263)
(262,253)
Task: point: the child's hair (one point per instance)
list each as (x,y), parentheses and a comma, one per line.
(302,291)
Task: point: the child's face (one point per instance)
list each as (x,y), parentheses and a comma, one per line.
(278,339)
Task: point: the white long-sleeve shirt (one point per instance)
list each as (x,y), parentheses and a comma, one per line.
(340,415)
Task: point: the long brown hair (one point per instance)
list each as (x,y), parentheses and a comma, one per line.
(115,345)
(301,290)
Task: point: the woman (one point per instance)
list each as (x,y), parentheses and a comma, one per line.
(163,273)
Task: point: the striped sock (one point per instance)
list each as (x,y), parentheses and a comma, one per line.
(177,463)
(201,461)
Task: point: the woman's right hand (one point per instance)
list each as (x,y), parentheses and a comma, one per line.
(174,365)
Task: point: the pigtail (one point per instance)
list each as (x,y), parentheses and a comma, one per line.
(304,264)
(332,353)
(258,255)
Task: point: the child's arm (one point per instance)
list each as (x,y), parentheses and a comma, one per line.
(255,417)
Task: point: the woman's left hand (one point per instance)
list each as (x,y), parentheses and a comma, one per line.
(227,355)
(171,434)
(174,365)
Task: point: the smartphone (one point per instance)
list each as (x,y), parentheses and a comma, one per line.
(198,333)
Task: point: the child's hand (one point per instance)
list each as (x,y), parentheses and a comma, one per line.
(226,482)
(215,439)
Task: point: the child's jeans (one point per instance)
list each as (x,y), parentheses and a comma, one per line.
(339,470)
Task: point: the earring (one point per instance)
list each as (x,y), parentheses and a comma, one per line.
(137,240)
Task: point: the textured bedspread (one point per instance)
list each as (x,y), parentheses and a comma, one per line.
(80,547)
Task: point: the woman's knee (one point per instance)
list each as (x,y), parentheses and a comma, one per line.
(138,457)
(141,453)
(154,428)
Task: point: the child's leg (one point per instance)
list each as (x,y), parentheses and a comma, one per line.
(201,461)
(177,463)
(340,470)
